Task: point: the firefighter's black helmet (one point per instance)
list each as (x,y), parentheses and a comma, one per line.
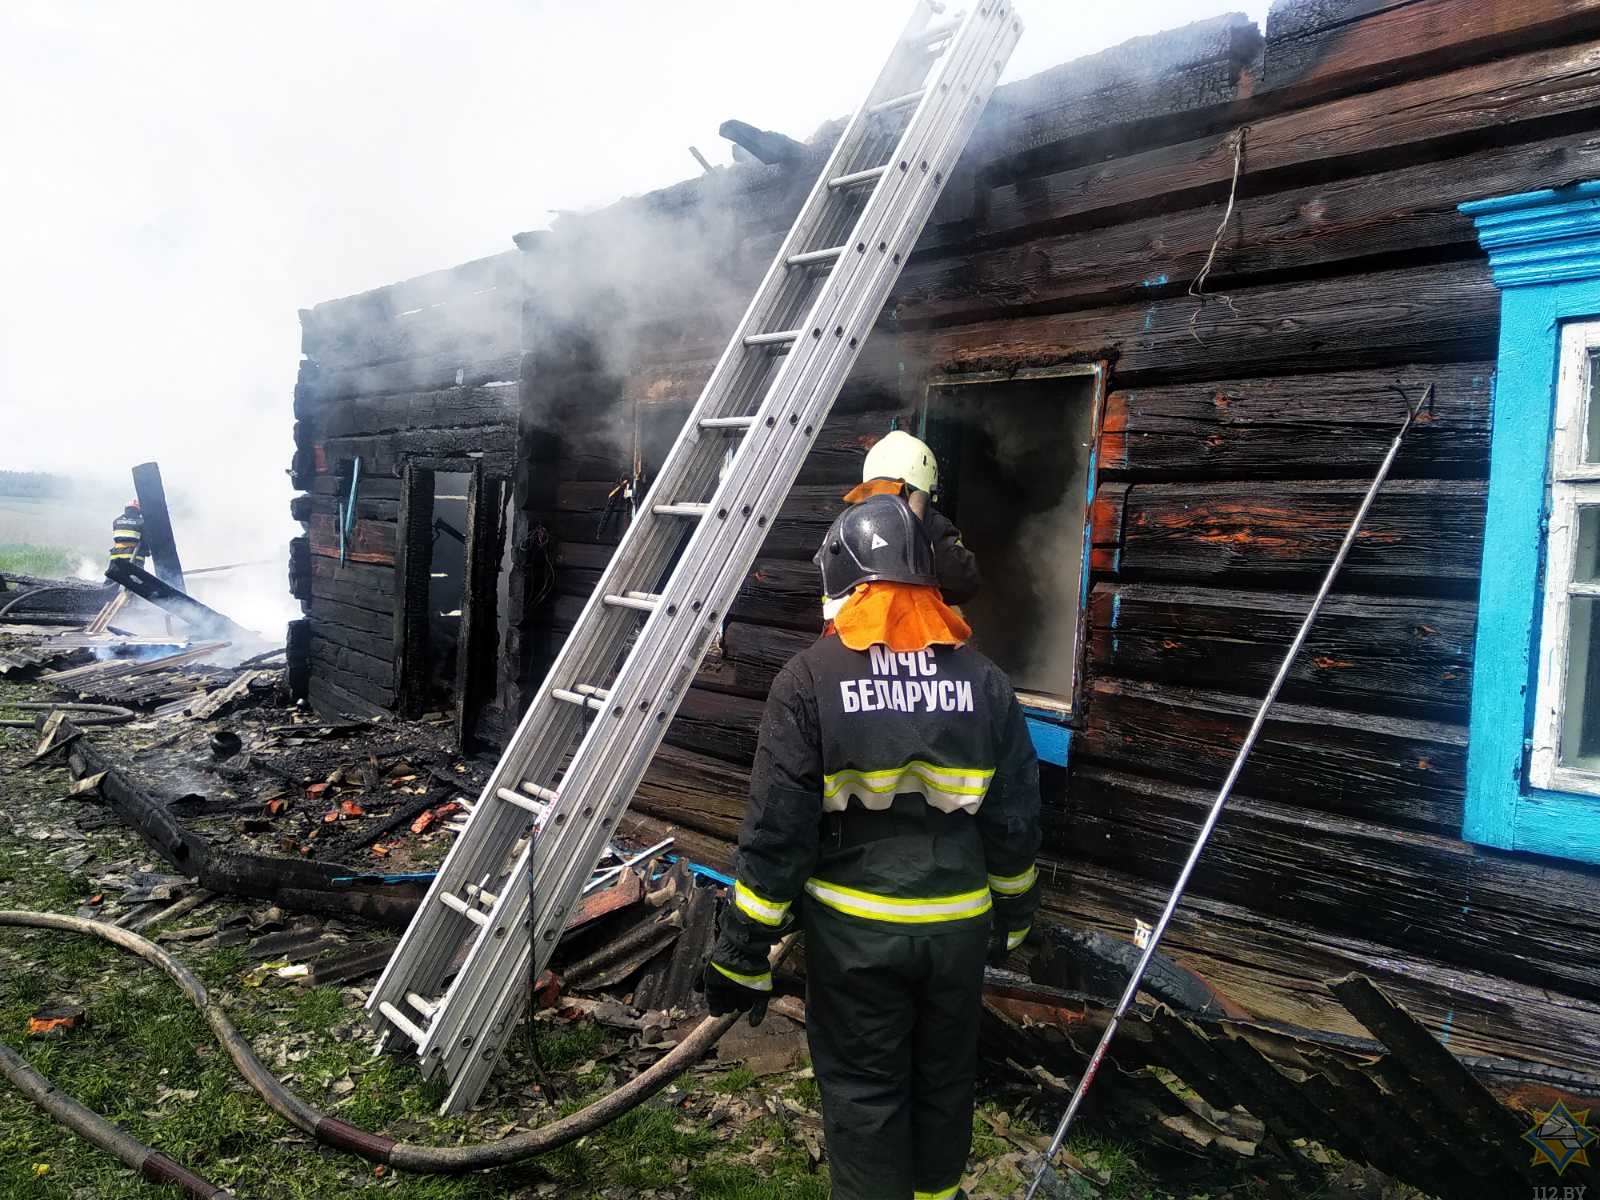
(880,538)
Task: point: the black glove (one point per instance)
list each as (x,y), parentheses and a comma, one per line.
(724,996)
(997,953)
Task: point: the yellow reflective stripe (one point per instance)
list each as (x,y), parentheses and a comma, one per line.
(961,781)
(943,1194)
(758,908)
(1016,936)
(1013,885)
(900,911)
(761,982)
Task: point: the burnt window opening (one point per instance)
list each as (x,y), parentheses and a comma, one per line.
(1014,460)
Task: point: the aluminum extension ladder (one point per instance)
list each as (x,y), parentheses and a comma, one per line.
(503,893)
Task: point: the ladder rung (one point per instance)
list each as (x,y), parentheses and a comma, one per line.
(588,689)
(814,256)
(451,900)
(858,177)
(643,601)
(540,793)
(422,1004)
(726,422)
(906,101)
(521,801)
(935,33)
(781,338)
(482,895)
(402,1022)
(575,698)
(681,509)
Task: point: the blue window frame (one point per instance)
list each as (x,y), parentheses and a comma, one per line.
(1544,250)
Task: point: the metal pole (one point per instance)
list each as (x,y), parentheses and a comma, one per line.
(1132,990)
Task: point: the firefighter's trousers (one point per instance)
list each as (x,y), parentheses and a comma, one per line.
(892,1019)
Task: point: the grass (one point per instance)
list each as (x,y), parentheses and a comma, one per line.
(49,562)
(733,1081)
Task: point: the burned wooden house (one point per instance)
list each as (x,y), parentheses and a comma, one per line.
(1161,329)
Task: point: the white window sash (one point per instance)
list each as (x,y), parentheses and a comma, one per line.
(1573,485)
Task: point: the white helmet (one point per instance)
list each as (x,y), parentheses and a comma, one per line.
(898,455)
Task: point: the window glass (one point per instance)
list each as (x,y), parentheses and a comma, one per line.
(1591,418)
(1580,723)
(1586,560)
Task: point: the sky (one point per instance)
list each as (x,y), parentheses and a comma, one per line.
(177,179)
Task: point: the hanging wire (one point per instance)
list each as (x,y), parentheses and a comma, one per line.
(1197,289)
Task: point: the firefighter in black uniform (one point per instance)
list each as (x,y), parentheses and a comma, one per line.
(894,809)
(127,536)
(899,464)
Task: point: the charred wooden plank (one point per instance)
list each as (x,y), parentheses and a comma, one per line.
(333,612)
(378,645)
(338,693)
(328,652)
(1378,130)
(695,791)
(1406,773)
(1420,893)
(1277,968)
(385,454)
(1409,210)
(780,592)
(464,368)
(1377,654)
(1434,314)
(369,541)
(1421,535)
(1371,44)
(1442,1076)
(360,585)
(718,725)
(1301,426)
(445,408)
(749,658)
(371,508)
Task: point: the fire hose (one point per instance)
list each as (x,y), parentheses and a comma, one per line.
(329,1130)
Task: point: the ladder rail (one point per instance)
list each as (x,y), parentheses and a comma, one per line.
(840,355)
(584,658)
(640,666)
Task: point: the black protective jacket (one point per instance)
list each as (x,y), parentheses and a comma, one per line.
(896,791)
(956,566)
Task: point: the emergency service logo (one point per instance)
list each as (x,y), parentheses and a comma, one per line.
(1560,1137)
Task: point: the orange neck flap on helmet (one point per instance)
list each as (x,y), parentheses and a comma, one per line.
(874,487)
(901,616)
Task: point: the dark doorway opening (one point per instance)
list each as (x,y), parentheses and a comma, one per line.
(1014,465)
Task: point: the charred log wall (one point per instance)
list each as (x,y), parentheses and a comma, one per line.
(1239,434)
(419,371)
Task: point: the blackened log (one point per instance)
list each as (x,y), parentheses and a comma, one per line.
(1375,131)
(1315,49)
(1376,654)
(764,144)
(461,369)
(368,507)
(1421,314)
(1423,894)
(146,813)
(297,658)
(1404,773)
(1318,426)
(1277,969)
(1408,210)
(300,568)
(453,407)
(373,487)
(408,659)
(203,621)
(1423,536)
(749,658)
(332,612)
(718,725)
(327,322)
(694,791)
(386,454)
(158,536)
(326,652)
(360,585)
(780,592)
(378,645)
(335,693)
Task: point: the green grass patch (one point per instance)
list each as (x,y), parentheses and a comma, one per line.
(563,1046)
(49,562)
(733,1081)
